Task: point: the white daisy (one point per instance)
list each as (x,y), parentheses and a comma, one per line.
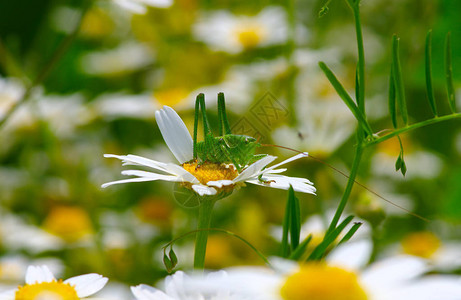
(205,179)
(41,284)
(123,59)
(140,6)
(180,286)
(342,277)
(223,31)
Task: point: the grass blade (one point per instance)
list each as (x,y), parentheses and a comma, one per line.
(285,247)
(351,232)
(346,98)
(391,99)
(449,74)
(430,90)
(301,249)
(398,82)
(295,218)
(319,251)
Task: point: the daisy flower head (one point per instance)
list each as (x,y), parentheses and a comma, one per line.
(140,7)
(41,284)
(212,168)
(223,31)
(399,277)
(181,286)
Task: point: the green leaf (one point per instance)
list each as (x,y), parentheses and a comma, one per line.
(391,101)
(295,218)
(301,249)
(400,163)
(173,257)
(430,90)
(398,82)
(346,98)
(449,74)
(167,262)
(351,232)
(319,251)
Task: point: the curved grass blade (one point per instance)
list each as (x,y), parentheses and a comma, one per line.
(430,90)
(351,232)
(449,74)
(295,226)
(285,247)
(398,82)
(391,98)
(319,251)
(301,249)
(346,98)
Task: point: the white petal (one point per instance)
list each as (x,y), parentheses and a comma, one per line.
(88,284)
(283,182)
(352,255)
(139,160)
(297,156)
(145,292)
(254,168)
(139,179)
(175,134)
(220,183)
(8,295)
(38,274)
(203,190)
(440,287)
(152,176)
(393,271)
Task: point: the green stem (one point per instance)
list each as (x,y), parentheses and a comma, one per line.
(347,192)
(204,219)
(412,127)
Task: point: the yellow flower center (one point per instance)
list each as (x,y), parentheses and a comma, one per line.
(422,244)
(171,97)
(55,290)
(322,282)
(69,223)
(251,35)
(208,171)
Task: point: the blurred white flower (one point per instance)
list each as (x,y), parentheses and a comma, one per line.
(180,286)
(208,179)
(223,31)
(41,284)
(16,235)
(125,58)
(113,106)
(141,6)
(13,267)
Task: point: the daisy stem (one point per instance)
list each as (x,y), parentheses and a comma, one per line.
(204,219)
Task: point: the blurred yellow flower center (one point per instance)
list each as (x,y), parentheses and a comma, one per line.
(208,171)
(97,23)
(422,244)
(250,36)
(321,282)
(55,290)
(69,223)
(171,97)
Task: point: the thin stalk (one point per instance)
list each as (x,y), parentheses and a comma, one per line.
(45,72)
(412,127)
(204,219)
(348,190)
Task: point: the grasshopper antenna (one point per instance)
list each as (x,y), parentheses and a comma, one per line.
(358,183)
(224,127)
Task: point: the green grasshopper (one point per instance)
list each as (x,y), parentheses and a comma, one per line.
(226,147)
